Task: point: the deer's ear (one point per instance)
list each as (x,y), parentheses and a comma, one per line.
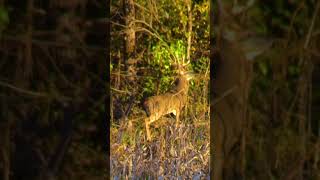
(253,47)
(230,35)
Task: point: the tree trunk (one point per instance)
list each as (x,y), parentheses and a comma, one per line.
(130,37)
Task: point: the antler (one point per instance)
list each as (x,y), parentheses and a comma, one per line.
(184,64)
(181,65)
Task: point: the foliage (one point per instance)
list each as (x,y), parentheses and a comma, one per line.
(4,18)
(52,101)
(162,34)
(276,97)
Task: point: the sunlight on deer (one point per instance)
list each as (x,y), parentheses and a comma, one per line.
(172,101)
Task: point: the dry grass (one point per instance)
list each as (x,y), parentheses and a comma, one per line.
(174,152)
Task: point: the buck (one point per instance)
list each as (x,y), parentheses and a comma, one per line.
(231,87)
(172,101)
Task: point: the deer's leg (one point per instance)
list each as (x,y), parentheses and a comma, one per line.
(218,146)
(218,164)
(177,118)
(148,128)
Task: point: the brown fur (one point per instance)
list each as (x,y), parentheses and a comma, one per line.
(170,102)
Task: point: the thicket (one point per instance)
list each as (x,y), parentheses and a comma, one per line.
(282,134)
(52,89)
(162,32)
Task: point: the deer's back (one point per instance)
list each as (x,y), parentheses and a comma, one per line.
(164,104)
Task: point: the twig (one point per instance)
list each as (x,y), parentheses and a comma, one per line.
(140,6)
(120,91)
(225,94)
(118,24)
(36,94)
(51,43)
(28,40)
(23,91)
(311,26)
(189,6)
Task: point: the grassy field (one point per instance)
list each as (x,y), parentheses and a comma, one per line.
(176,151)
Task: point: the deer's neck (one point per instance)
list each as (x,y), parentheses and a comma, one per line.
(181,85)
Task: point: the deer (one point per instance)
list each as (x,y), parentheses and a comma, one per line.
(172,101)
(231,88)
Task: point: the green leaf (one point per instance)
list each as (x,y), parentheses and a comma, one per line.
(4,18)
(263,68)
